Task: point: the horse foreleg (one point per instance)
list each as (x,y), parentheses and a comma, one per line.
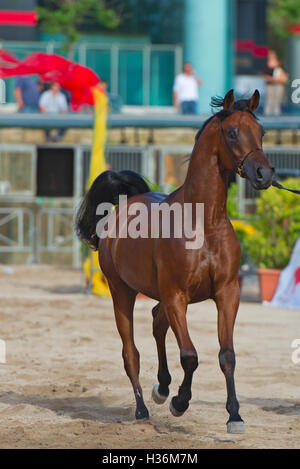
(160,328)
(123,300)
(176,313)
(227,302)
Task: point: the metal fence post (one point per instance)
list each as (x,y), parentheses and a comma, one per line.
(146,74)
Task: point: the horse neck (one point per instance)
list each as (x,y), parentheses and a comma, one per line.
(206,179)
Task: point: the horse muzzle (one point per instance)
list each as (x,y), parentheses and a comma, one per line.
(260,174)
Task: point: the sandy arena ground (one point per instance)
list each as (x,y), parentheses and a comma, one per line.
(64,386)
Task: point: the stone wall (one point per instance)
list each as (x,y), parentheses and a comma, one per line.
(132,136)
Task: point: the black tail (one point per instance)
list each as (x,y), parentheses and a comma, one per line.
(106,188)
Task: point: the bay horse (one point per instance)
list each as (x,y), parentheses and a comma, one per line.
(164,269)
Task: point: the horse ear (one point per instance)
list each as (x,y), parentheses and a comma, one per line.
(228,100)
(254,101)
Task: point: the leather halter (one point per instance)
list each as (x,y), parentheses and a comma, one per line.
(238,163)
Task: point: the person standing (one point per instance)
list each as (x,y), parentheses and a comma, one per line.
(275,78)
(185,90)
(54,101)
(27,94)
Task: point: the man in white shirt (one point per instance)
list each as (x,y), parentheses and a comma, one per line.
(54,101)
(185,90)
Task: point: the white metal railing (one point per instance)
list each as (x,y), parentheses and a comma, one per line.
(16,230)
(59,233)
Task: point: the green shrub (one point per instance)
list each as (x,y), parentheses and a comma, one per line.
(232,201)
(276,227)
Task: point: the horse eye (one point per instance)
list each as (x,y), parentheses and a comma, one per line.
(232,133)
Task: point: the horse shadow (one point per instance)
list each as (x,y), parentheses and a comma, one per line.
(91,408)
(87,408)
(278,406)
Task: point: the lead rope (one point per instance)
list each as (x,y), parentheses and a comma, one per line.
(279,186)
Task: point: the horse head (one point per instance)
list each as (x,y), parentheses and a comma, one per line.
(241,141)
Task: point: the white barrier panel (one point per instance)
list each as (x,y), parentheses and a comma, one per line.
(287,294)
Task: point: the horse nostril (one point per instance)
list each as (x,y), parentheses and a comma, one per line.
(259,175)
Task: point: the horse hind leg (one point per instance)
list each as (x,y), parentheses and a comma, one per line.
(124,300)
(176,313)
(160,328)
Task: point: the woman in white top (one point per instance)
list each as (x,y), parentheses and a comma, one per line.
(275,78)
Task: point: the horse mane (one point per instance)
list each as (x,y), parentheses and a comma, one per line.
(217,102)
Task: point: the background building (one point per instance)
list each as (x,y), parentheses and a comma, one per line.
(18,20)
(140,59)
(251,36)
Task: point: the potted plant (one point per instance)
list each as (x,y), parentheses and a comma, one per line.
(276,225)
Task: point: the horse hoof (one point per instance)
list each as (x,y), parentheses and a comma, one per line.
(236,427)
(156,396)
(174,411)
(142,414)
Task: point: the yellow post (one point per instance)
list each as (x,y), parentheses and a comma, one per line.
(97,166)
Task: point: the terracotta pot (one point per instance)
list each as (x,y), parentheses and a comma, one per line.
(268,280)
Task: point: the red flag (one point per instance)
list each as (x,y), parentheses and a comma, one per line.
(71,76)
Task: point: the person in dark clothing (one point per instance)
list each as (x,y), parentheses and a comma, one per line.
(27,94)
